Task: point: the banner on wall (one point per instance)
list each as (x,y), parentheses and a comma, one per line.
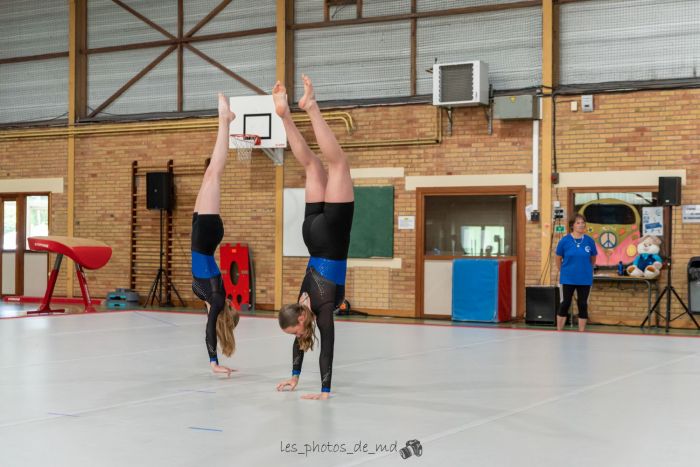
(691,214)
(653,221)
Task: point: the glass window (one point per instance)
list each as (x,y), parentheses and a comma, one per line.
(37,216)
(610,214)
(467,225)
(483,240)
(9,223)
(636,198)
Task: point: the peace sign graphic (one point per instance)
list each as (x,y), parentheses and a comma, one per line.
(608,240)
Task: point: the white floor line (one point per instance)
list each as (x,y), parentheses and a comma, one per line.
(509,413)
(261,379)
(99,331)
(178,393)
(274,336)
(440,349)
(139,352)
(253,379)
(257,381)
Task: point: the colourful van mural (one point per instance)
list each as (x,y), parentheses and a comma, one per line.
(614,225)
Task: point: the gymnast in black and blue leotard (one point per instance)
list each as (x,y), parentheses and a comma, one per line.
(207,233)
(326,231)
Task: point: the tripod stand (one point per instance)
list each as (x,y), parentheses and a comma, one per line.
(669,289)
(162,278)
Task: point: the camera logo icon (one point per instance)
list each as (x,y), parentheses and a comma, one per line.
(413,446)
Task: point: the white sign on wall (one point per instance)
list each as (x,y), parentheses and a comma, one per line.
(653,221)
(691,214)
(407,222)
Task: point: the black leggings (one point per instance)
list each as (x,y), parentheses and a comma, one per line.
(582,292)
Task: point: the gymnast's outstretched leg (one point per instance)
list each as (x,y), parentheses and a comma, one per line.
(339,188)
(209,195)
(316,177)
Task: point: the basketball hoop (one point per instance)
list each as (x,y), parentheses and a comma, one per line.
(244,145)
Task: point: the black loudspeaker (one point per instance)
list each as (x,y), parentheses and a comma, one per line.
(159,190)
(541,305)
(670,191)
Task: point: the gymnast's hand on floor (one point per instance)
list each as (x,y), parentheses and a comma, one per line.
(220,369)
(289,384)
(318,396)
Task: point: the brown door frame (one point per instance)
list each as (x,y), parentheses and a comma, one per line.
(8,197)
(21,199)
(2,240)
(520,225)
(21,243)
(16,198)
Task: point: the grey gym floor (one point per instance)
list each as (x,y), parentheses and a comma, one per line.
(134,389)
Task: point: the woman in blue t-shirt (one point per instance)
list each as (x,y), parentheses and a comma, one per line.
(576,254)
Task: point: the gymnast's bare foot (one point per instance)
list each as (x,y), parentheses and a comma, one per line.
(224,109)
(308,100)
(279,96)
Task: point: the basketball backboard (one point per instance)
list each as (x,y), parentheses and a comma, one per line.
(255,115)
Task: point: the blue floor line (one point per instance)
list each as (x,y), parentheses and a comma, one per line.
(146,315)
(204,429)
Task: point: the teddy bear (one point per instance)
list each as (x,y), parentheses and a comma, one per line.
(647,263)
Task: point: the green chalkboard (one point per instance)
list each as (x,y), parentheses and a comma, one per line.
(372,232)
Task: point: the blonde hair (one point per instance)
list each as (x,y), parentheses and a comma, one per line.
(289,317)
(225,324)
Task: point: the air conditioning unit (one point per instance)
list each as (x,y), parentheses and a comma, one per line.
(460,84)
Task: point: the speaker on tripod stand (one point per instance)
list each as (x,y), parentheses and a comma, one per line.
(160,195)
(669,196)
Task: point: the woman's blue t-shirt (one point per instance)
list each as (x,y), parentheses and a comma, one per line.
(576,267)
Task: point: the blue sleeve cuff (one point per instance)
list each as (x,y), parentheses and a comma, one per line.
(325,389)
(296,372)
(214,360)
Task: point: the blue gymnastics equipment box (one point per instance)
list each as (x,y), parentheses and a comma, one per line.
(122,299)
(482,290)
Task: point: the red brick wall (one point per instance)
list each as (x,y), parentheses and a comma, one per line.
(652,130)
(40,158)
(469,150)
(633,131)
(247,205)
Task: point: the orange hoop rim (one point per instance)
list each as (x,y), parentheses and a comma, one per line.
(247,138)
